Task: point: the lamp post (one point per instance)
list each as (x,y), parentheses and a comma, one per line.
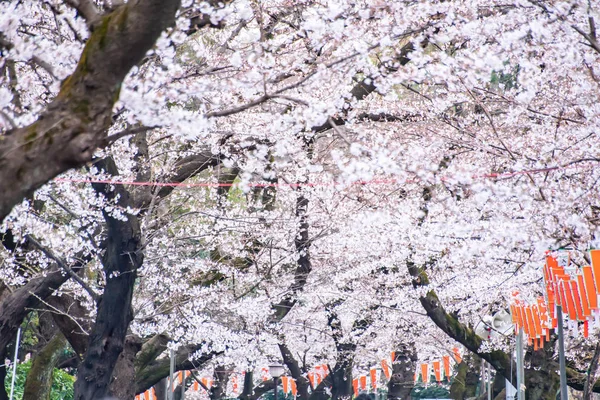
(276,370)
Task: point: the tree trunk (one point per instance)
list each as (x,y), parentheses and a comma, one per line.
(466,380)
(121,260)
(295,371)
(401,382)
(39,378)
(124,372)
(15,307)
(219,387)
(248,387)
(591,375)
(161,388)
(341,376)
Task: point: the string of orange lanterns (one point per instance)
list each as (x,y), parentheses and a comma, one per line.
(575,289)
(316,376)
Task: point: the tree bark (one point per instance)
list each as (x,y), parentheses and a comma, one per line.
(303,265)
(39,378)
(219,387)
(75,123)
(591,375)
(124,372)
(73,321)
(295,371)
(401,382)
(121,260)
(465,382)
(156,370)
(248,387)
(16,306)
(341,376)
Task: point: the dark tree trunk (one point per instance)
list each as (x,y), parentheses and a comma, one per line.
(161,388)
(15,307)
(541,379)
(341,376)
(498,386)
(292,364)
(121,260)
(124,373)
(248,387)
(219,387)
(401,382)
(466,380)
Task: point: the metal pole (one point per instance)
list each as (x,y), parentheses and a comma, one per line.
(183,386)
(489,381)
(561,355)
(482,378)
(275,380)
(14,376)
(171,374)
(520,376)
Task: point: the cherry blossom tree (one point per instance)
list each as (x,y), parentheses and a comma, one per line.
(308,182)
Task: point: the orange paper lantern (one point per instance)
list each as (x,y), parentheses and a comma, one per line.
(373,373)
(590,288)
(425,372)
(437,371)
(446,360)
(386,369)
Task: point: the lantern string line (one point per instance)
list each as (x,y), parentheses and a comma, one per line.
(498,175)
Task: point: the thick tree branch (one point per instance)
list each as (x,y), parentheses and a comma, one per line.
(190,166)
(75,124)
(126,132)
(156,370)
(16,305)
(87,9)
(73,320)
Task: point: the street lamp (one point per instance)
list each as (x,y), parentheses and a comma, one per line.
(276,370)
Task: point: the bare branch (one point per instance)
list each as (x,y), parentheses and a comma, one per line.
(35,59)
(55,310)
(8,119)
(590,37)
(127,132)
(239,109)
(61,263)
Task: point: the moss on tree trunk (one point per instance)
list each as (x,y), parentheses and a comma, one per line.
(39,378)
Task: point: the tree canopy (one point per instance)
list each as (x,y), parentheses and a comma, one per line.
(245,182)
